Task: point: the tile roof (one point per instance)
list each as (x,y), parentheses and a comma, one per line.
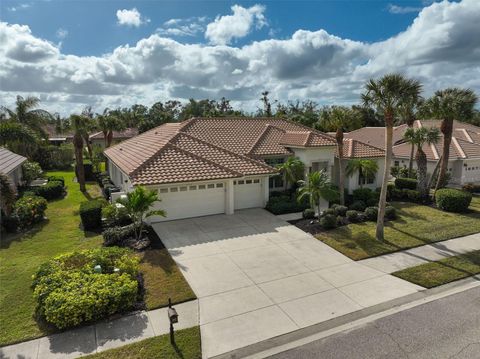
(9,160)
(268,143)
(356,149)
(127,133)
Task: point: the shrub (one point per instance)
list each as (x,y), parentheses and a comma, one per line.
(362,194)
(10,223)
(357,206)
(91,214)
(49,191)
(390,212)
(331,211)
(285,204)
(57,179)
(115,215)
(412,195)
(340,210)
(69,292)
(352,216)
(453,200)
(308,213)
(371,213)
(372,202)
(406,183)
(29,210)
(471,187)
(328,221)
(31,170)
(115,236)
(54,157)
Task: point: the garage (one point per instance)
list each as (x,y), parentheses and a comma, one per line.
(248,193)
(194,200)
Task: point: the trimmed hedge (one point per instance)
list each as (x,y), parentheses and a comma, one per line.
(115,236)
(371,213)
(69,291)
(355,216)
(357,206)
(340,210)
(453,200)
(284,204)
(328,221)
(362,194)
(390,212)
(91,214)
(57,179)
(406,183)
(29,210)
(308,213)
(51,190)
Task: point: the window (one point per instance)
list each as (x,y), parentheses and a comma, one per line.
(241,182)
(163,190)
(397,163)
(234,183)
(365,180)
(202,186)
(248,181)
(256,181)
(275,181)
(192,188)
(211,185)
(174,189)
(219,185)
(183,189)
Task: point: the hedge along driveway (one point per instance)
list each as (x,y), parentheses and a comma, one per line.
(416,225)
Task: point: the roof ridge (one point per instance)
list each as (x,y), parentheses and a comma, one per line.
(309,137)
(320,133)
(459,148)
(350,149)
(268,126)
(226,150)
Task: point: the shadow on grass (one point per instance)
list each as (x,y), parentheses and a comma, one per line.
(8,239)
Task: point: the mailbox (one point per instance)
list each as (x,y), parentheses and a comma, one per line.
(172,315)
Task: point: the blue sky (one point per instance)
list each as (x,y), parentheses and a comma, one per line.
(116,53)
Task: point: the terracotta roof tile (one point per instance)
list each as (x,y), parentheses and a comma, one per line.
(127,133)
(268,143)
(356,149)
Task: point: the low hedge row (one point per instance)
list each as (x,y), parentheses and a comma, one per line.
(471,187)
(406,183)
(116,236)
(284,204)
(52,190)
(91,214)
(453,200)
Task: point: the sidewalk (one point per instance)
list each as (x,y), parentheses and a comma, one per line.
(104,335)
(393,262)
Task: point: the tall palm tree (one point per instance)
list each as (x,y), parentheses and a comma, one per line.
(317,186)
(419,137)
(79,125)
(364,168)
(293,170)
(448,105)
(28,115)
(388,95)
(339,119)
(107,123)
(408,115)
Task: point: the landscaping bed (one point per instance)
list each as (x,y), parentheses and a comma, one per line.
(188,346)
(444,271)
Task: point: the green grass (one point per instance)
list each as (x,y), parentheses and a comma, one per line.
(416,225)
(21,254)
(187,347)
(447,270)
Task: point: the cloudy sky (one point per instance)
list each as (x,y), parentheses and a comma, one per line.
(117,53)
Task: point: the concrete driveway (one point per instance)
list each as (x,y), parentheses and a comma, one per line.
(258,277)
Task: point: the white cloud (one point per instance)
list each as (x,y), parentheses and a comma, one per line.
(395,9)
(19,7)
(61,33)
(130,17)
(441,48)
(226,28)
(183,27)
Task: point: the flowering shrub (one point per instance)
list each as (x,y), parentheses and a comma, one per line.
(29,210)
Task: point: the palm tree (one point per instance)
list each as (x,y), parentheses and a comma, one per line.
(293,170)
(138,204)
(364,168)
(448,105)
(11,132)
(317,186)
(28,115)
(419,137)
(107,123)
(388,95)
(339,119)
(79,125)
(408,115)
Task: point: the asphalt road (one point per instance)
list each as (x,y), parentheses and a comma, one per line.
(445,328)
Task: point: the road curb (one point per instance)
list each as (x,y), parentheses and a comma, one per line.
(349,321)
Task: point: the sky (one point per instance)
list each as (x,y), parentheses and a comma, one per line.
(73,54)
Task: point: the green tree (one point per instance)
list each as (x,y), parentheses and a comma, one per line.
(13,132)
(138,206)
(388,94)
(448,105)
(293,170)
(316,187)
(79,125)
(7,194)
(364,168)
(408,115)
(107,123)
(419,137)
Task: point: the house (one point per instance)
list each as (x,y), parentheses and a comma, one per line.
(11,165)
(98,139)
(464,161)
(204,166)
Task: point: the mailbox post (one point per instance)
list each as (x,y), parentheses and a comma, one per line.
(173,318)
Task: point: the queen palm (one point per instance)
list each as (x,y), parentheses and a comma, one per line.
(293,170)
(107,123)
(339,118)
(317,186)
(448,105)
(419,137)
(408,115)
(79,125)
(388,95)
(364,168)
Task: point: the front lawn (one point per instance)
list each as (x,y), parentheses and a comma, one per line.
(416,225)
(187,347)
(447,270)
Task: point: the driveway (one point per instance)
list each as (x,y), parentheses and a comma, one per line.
(258,277)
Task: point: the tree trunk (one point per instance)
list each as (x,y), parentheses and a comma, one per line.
(434,173)
(422,185)
(341,180)
(78,143)
(109,138)
(105,133)
(410,163)
(386,171)
(447,126)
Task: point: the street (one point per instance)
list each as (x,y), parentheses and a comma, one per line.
(445,328)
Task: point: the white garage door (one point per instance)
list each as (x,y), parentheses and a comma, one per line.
(190,201)
(248,193)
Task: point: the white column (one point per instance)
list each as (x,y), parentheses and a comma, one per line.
(229,197)
(266,190)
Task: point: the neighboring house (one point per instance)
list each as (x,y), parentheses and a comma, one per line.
(205,166)
(11,165)
(56,138)
(464,161)
(98,139)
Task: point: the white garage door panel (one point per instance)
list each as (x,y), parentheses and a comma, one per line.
(248,194)
(191,201)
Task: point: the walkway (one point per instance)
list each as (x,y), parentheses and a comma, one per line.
(258,277)
(393,262)
(103,335)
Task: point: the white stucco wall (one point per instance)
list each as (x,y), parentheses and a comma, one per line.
(118,177)
(351,182)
